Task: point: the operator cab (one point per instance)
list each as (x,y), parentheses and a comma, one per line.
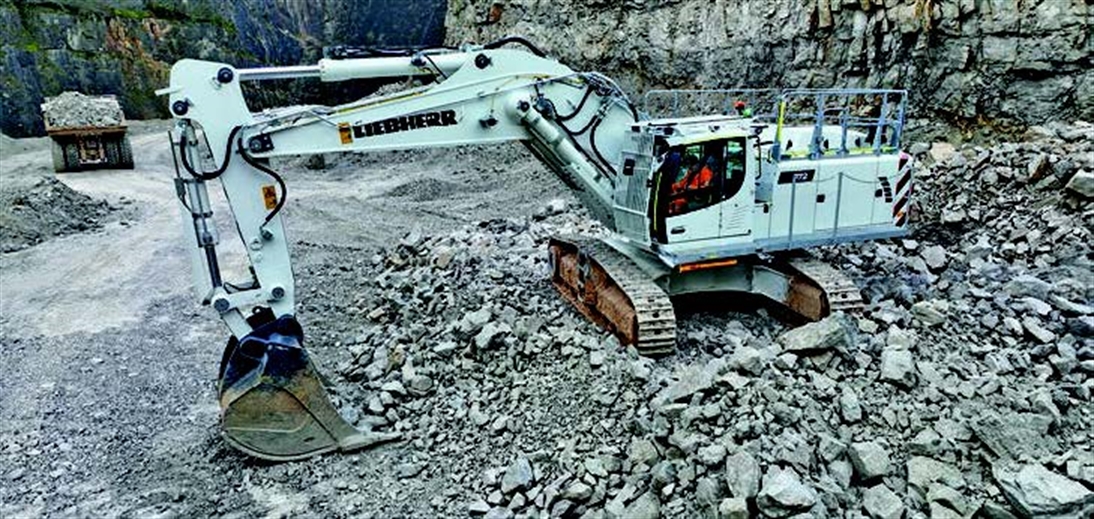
(697,189)
(693,182)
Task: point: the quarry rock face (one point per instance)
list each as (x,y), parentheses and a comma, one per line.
(991,61)
(127,48)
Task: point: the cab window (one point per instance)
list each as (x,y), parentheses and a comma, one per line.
(691,177)
(735,167)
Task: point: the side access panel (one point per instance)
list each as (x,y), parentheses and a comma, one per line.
(632,188)
(701,225)
(736,217)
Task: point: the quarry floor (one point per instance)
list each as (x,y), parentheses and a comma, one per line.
(107,397)
(974,358)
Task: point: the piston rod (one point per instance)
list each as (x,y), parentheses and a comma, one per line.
(330,70)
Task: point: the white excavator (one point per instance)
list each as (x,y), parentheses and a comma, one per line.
(709,204)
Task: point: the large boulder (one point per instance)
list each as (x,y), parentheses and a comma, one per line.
(646,506)
(882,503)
(829,333)
(1038,492)
(518,476)
(870,460)
(1082,184)
(783,494)
(742,475)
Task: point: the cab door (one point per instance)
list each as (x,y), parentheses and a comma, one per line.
(689,193)
(739,185)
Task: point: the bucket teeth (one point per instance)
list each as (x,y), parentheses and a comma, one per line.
(609,289)
(273,405)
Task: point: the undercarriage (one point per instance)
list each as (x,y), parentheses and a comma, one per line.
(627,292)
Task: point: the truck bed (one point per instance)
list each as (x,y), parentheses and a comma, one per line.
(85,130)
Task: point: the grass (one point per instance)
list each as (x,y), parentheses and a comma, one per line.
(129,14)
(99,9)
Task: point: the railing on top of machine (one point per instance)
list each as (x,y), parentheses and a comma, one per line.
(683,103)
(847,121)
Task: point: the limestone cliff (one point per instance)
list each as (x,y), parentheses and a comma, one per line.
(965,61)
(126,47)
(968,62)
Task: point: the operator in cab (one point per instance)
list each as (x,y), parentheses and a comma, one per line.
(692,179)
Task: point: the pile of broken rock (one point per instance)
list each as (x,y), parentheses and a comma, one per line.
(963,388)
(75,110)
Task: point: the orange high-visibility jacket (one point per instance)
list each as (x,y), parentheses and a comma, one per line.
(693,181)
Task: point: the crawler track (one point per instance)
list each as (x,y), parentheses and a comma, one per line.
(828,290)
(610,290)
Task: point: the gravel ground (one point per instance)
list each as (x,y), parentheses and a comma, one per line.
(964,388)
(34,205)
(108,404)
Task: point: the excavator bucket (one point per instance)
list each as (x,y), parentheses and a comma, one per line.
(273,404)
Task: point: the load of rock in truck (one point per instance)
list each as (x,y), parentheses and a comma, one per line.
(88,132)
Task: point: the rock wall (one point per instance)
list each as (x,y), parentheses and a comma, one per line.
(968,62)
(126,47)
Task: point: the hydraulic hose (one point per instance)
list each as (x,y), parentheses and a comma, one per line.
(350,52)
(634,110)
(273,174)
(212,175)
(209,175)
(518,40)
(580,105)
(596,151)
(594,121)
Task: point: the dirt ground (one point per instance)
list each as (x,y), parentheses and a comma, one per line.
(107,400)
(422,292)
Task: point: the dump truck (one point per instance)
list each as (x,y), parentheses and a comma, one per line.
(88,132)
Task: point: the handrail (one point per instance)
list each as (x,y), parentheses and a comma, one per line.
(843,107)
(738,94)
(858,120)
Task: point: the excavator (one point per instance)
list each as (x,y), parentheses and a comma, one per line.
(697,204)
